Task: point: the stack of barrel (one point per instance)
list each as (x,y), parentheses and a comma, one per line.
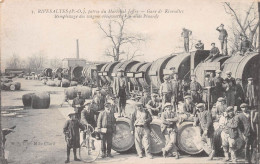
(39,100)
(8,84)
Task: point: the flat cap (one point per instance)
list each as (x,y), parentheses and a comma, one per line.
(222,24)
(108,104)
(228,72)
(221,99)
(250,79)
(218,71)
(212,43)
(167,104)
(229,109)
(172,68)
(200,105)
(187,96)
(166,77)
(244,105)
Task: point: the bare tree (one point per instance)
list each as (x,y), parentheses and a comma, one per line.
(14,62)
(115,31)
(36,62)
(246,27)
(55,63)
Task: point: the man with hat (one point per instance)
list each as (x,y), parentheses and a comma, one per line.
(166,90)
(239,96)
(195,90)
(106,125)
(247,126)
(230,89)
(176,90)
(72,137)
(223,38)
(169,130)
(220,108)
(120,89)
(245,45)
(188,108)
(213,54)
(250,93)
(78,104)
(186,35)
(199,45)
(101,98)
(153,106)
(218,86)
(141,120)
(145,98)
(208,84)
(229,134)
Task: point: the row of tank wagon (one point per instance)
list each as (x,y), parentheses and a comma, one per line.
(150,74)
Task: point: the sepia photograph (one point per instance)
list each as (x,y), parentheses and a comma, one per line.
(140,81)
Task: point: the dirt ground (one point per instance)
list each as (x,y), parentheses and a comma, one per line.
(38,137)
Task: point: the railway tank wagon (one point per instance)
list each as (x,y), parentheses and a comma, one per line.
(144,79)
(133,80)
(107,71)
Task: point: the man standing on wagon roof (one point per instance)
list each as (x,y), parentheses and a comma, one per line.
(223,38)
(186,35)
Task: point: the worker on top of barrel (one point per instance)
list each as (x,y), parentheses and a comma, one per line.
(106,125)
(120,89)
(145,98)
(205,122)
(230,89)
(213,54)
(186,35)
(229,134)
(247,127)
(199,45)
(169,130)
(223,38)
(250,93)
(154,106)
(240,95)
(218,86)
(166,90)
(78,104)
(141,120)
(245,45)
(176,90)
(188,108)
(195,90)
(72,137)
(221,107)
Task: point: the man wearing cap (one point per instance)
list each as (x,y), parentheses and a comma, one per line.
(220,108)
(218,86)
(230,89)
(195,90)
(222,38)
(120,89)
(247,125)
(106,125)
(250,93)
(78,104)
(229,134)
(245,45)
(186,35)
(239,96)
(154,106)
(141,120)
(205,122)
(145,98)
(208,83)
(101,99)
(72,137)
(199,45)
(166,90)
(213,54)
(176,90)
(114,106)
(189,108)
(169,130)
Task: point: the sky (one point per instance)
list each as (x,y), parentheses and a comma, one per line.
(25,31)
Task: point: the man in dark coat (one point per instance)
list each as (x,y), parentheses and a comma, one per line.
(250,93)
(154,106)
(245,45)
(189,108)
(145,98)
(141,120)
(205,122)
(165,90)
(106,125)
(240,96)
(231,89)
(223,38)
(186,35)
(195,90)
(218,86)
(213,54)
(245,124)
(72,137)
(199,45)
(176,90)
(78,104)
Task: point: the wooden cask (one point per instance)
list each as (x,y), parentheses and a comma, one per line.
(41,100)
(27,99)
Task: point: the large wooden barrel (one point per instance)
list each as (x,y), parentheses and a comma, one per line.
(44,81)
(73,83)
(157,141)
(57,83)
(17,85)
(189,139)
(6,86)
(27,99)
(70,93)
(41,100)
(50,83)
(86,92)
(135,69)
(122,140)
(65,83)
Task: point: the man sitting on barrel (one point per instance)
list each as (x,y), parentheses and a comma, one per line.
(154,106)
(189,108)
(141,120)
(169,130)
(204,119)
(78,104)
(195,90)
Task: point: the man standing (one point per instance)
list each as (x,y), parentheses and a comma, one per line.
(199,45)
(205,122)
(195,90)
(223,38)
(245,120)
(154,106)
(169,130)
(189,108)
(218,84)
(230,89)
(186,35)
(106,125)
(71,131)
(213,54)
(101,99)
(166,90)
(208,83)
(229,134)
(240,96)
(220,108)
(141,120)
(120,89)
(145,98)
(176,90)
(78,104)
(250,93)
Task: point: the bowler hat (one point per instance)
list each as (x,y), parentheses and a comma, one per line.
(166,77)
(212,43)
(218,71)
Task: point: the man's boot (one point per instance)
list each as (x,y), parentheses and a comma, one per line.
(75,156)
(67,161)
(226,156)
(163,152)
(233,156)
(177,155)
(212,154)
